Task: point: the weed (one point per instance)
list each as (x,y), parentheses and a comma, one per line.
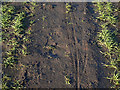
(43,18)
(16,85)
(69,23)
(32,21)
(7,83)
(50,47)
(67,80)
(68,7)
(67,54)
(82,20)
(32,9)
(33,3)
(31,14)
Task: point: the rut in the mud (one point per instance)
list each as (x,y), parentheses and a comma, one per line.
(63,47)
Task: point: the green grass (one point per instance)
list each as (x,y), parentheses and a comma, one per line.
(7,12)
(8,83)
(15,36)
(107,12)
(107,39)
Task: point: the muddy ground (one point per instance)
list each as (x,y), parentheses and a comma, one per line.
(63,44)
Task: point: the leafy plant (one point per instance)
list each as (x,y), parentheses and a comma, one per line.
(43,18)
(9,61)
(68,7)
(18,21)
(16,85)
(115,79)
(5,80)
(32,21)
(15,36)
(8,83)
(67,80)
(106,12)
(106,38)
(7,11)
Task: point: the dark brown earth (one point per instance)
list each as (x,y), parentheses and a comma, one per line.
(74,49)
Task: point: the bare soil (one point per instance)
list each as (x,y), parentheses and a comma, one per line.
(63,44)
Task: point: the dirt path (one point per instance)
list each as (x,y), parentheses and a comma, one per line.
(63,47)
